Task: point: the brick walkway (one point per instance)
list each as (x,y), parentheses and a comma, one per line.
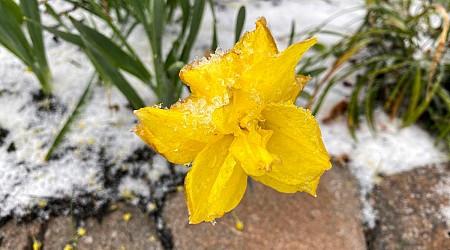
(407,204)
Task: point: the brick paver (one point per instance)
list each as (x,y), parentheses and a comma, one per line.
(274,220)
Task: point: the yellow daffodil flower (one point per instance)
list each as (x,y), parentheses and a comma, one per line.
(239,121)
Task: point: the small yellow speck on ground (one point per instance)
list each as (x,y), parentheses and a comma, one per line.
(127,217)
(239,225)
(81,232)
(127,194)
(42,203)
(68,247)
(113,207)
(152,238)
(36,244)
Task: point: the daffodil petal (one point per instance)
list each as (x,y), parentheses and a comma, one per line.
(209,78)
(274,77)
(212,77)
(242,108)
(308,187)
(176,135)
(256,46)
(249,150)
(301,81)
(297,141)
(215,184)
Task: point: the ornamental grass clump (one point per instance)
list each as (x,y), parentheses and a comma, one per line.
(399,54)
(240,121)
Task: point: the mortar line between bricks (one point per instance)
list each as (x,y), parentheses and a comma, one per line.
(170,182)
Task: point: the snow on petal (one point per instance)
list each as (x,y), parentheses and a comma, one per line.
(173,134)
(256,46)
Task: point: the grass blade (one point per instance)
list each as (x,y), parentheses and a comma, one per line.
(67,125)
(31,11)
(416,91)
(186,10)
(369,104)
(214,39)
(351,51)
(11,34)
(240,20)
(292,35)
(110,73)
(67,36)
(103,45)
(197,14)
(353,111)
(12,10)
(158,15)
(49,9)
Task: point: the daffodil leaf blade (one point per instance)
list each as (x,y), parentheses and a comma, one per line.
(113,52)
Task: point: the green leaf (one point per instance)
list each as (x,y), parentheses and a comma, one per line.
(353,110)
(186,10)
(104,46)
(319,47)
(214,39)
(422,107)
(157,26)
(13,37)
(110,73)
(416,91)
(175,68)
(67,36)
(313,72)
(394,92)
(13,10)
(240,20)
(138,8)
(31,11)
(11,34)
(197,14)
(292,34)
(369,104)
(53,13)
(72,117)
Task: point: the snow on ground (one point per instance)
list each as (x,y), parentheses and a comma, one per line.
(101,136)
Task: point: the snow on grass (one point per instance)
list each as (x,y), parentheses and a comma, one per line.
(101,137)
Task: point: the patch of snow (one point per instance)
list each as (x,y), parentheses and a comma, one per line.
(160,166)
(131,186)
